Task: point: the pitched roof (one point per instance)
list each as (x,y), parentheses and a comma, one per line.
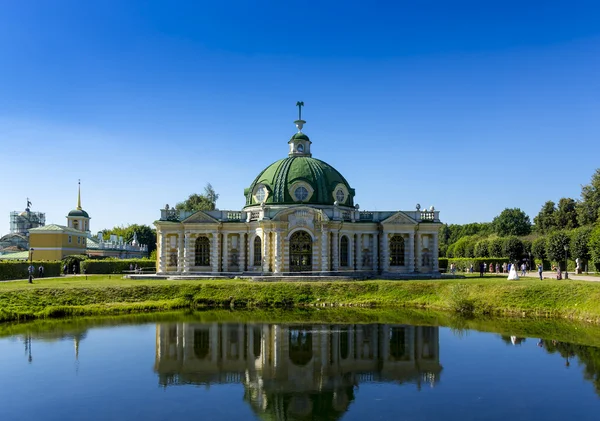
(21,255)
(56,227)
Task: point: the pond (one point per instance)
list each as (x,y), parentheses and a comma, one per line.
(182,367)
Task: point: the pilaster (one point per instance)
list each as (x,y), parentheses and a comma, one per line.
(435,253)
(411,252)
(351,251)
(277,252)
(162,259)
(187,253)
(376,251)
(265,251)
(336,251)
(180,252)
(385,252)
(324,250)
(225,252)
(214,252)
(418,252)
(359,246)
(242,247)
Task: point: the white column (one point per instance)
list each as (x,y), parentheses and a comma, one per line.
(435,253)
(385,252)
(418,252)
(324,250)
(214,255)
(336,251)
(351,251)
(265,251)
(375,251)
(242,256)
(162,258)
(180,252)
(411,252)
(277,251)
(225,246)
(187,253)
(359,251)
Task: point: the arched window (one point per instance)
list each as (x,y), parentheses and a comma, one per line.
(202,251)
(397,251)
(257,252)
(344,251)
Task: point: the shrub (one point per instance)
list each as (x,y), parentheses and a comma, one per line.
(555,246)
(513,248)
(18,270)
(481,248)
(111,266)
(495,247)
(538,248)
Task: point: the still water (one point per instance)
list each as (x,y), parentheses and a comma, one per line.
(169,370)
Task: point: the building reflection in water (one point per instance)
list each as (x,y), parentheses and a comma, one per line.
(297,371)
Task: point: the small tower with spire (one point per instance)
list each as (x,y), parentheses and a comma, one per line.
(299,143)
(78,218)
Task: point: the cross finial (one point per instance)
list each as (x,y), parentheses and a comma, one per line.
(300,104)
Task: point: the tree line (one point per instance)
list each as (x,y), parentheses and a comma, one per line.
(569,229)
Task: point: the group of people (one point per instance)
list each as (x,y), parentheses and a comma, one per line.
(498,268)
(135,269)
(31,271)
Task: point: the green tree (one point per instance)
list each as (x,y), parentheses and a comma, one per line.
(495,247)
(512,222)
(538,248)
(580,239)
(555,246)
(464,247)
(512,248)
(481,248)
(145,234)
(565,216)
(197,202)
(589,206)
(545,221)
(594,245)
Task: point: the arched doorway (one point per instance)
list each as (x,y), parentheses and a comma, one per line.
(300,252)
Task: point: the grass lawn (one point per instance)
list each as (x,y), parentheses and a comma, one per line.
(493,295)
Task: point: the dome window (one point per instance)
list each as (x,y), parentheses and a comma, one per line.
(261,194)
(300,148)
(340,196)
(301,193)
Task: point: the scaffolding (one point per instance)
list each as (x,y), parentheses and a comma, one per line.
(22,222)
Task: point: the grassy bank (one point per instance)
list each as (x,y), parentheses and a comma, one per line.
(101,295)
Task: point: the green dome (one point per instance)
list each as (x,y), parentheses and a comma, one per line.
(322,182)
(300,136)
(78,213)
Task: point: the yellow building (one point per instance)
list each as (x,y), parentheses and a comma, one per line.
(54,242)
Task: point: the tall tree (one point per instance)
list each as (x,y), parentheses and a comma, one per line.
(145,234)
(555,246)
(565,216)
(512,222)
(588,209)
(197,202)
(545,221)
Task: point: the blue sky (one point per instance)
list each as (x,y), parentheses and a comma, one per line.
(471,106)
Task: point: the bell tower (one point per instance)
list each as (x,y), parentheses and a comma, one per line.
(299,143)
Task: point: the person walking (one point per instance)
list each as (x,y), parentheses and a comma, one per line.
(65,271)
(41,271)
(523,268)
(540,270)
(31,269)
(481,269)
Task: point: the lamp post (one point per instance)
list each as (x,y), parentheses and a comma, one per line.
(566,273)
(530,266)
(29,269)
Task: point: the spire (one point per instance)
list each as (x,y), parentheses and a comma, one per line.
(79,195)
(299,123)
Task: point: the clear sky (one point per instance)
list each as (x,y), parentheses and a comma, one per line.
(471,106)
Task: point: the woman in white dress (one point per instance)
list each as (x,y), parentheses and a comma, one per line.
(512,275)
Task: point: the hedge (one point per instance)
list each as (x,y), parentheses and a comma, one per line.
(111,266)
(18,270)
